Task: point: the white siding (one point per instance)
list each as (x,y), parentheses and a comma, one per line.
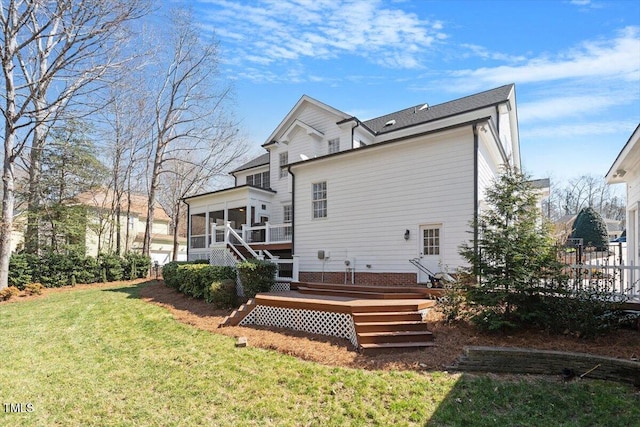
(241,177)
(375,194)
(302,144)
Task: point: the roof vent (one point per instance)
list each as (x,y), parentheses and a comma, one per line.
(424,107)
(390,123)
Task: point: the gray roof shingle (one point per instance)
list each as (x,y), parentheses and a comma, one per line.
(258,161)
(414,116)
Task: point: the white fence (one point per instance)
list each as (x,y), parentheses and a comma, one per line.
(607,270)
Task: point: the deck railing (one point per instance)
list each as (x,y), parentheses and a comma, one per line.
(268,233)
(226,238)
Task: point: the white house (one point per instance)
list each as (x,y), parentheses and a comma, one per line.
(626,169)
(385,201)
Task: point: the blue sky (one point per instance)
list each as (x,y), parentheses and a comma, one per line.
(576,65)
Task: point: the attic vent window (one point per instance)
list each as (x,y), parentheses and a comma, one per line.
(424,107)
(390,123)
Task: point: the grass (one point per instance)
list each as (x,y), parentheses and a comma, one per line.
(104,357)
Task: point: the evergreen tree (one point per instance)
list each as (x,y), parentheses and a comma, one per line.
(591,228)
(514,257)
(69,167)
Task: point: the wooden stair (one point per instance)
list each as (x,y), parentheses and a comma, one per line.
(391,330)
(382,326)
(238,315)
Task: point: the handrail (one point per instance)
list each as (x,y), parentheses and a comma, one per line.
(233,232)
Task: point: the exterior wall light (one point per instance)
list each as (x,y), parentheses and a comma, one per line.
(407,233)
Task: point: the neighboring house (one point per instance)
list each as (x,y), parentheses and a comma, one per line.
(102,230)
(626,169)
(380,202)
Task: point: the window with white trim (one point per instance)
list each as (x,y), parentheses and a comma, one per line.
(288,214)
(259,180)
(284,161)
(431,241)
(334,145)
(319,200)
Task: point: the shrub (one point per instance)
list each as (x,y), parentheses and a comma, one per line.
(33,288)
(194,278)
(135,265)
(19,270)
(256,276)
(221,294)
(112,265)
(591,228)
(55,270)
(8,293)
(169,274)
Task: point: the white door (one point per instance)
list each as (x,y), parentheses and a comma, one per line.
(430,250)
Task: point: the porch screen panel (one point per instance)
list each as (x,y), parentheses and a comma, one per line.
(198,231)
(216,218)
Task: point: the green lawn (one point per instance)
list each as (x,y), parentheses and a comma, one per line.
(103,357)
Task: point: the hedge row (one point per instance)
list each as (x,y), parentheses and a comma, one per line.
(55,270)
(216,285)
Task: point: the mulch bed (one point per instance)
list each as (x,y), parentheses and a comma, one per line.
(449,339)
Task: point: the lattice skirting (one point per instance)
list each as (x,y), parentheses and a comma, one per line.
(280,287)
(315,322)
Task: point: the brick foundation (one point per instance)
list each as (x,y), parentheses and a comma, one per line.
(362,279)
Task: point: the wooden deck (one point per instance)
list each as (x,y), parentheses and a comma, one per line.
(340,304)
(380,317)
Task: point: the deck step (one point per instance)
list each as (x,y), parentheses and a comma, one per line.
(362,327)
(388,316)
(394,337)
(238,315)
(392,345)
(360,293)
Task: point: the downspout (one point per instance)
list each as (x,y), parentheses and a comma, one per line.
(353,134)
(475,195)
(293,211)
(188,226)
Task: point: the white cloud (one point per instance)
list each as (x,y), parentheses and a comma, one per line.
(590,129)
(270,31)
(617,58)
(565,106)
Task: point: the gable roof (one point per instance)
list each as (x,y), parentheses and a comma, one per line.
(261,160)
(417,115)
(285,123)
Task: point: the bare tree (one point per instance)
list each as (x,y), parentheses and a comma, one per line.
(190,120)
(585,191)
(194,172)
(52,53)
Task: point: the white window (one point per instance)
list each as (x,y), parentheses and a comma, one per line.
(334,145)
(319,200)
(287,214)
(431,241)
(284,160)
(259,180)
